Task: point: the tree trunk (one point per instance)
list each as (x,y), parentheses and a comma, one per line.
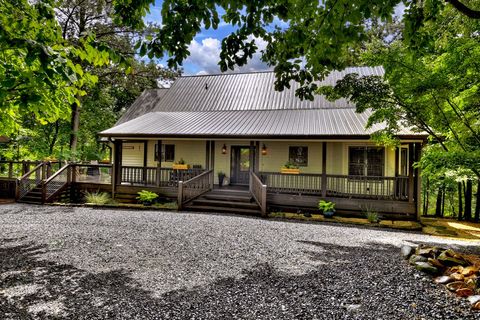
(54,138)
(477,203)
(468,201)
(443,200)
(438,206)
(460,201)
(74,125)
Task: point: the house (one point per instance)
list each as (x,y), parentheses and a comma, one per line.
(176,141)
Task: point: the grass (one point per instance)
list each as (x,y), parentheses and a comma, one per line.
(98,198)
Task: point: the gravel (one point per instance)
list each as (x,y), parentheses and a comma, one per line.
(83,263)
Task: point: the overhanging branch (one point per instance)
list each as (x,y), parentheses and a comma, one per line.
(474,14)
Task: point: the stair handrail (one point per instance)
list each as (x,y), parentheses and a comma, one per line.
(23,183)
(259,192)
(50,188)
(194,187)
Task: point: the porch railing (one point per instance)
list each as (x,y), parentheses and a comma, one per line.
(194,188)
(387,188)
(14,169)
(259,192)
(58,182)
(154,176)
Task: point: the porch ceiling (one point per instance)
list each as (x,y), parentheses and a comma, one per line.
(344,122)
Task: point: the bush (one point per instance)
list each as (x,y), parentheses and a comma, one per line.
(372,216)
(326,206)
(97,197)
(147,196)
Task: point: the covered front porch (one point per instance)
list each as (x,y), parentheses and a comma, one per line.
(355,174)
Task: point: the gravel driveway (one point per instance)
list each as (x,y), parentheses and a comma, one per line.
(82,263)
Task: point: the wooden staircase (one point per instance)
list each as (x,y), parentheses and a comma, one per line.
(34,196)
(226,200)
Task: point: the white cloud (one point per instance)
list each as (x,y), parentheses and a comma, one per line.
(205,56)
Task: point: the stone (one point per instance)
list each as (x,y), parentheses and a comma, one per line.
(436,263)
(476,306)
(474,299)
(443,280)
(454,286)
(450,258)
(469,271)
(426,251)
(414,259)
(471,283)
(406,251)
(454,269)
(426,267)
(457,276)
(464,292)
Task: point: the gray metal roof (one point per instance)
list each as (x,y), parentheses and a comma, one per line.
(241,105)
(247,91)
(250,123)
(143,104)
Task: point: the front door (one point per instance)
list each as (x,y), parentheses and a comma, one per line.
(240,168)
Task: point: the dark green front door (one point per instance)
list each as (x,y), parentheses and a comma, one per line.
(240,165)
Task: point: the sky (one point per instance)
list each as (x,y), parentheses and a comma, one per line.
(205,48)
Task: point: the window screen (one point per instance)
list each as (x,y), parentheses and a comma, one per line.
(366,161)
(168,152)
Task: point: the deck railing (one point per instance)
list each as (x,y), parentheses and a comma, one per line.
(92,173)
(194,188)
(15,169)
(30,180)
(56,183)
(156,177)
(259,192)
(387,188)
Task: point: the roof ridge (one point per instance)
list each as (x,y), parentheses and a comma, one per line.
(226,74)
(251,110)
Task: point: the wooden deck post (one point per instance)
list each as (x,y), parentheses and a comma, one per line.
(159,162)
(418,178)
(251,158)
(145,162)
(207,155)
(257,157)
(324,169)
(264,201)
(180,195)
(10,169)
(411,160)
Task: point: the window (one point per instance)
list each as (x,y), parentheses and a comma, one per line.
(298,156)
(168,152)
(366,161)
(404,161)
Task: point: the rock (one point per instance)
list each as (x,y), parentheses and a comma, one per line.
(454,286)
(450,258)
(406,251)
(471,283)
(469,271)
(426,267)
(443,280)
(474,299)
(414,259)
(464,292)
(426,251)
(457,276)
(454,269)
(476,306)
(436,263)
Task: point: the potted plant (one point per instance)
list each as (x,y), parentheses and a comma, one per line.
(290,168)
(147,197)
(180,165)
(327,207)
(221,177)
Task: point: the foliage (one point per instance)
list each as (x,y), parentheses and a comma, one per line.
(372,216)
(326,206)
(97,198)
(221,173)
(290,165)
(147,196)
(181,161)
(305,39)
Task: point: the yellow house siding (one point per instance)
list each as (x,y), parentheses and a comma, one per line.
(192,151)
(132,154)
(278,153)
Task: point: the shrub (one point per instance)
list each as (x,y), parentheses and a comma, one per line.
(290,165)
(326,206)
(372,216)
(97,197)
(147,196)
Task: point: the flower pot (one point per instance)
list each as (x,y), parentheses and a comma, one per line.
(328,214)
(221,177)
(290,171)
(180,166)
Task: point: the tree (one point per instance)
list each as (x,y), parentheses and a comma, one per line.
(318,38)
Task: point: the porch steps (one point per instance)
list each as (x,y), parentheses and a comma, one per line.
(226,200)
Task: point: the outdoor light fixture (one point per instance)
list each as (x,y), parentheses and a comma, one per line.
(264,150)
(224,149)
